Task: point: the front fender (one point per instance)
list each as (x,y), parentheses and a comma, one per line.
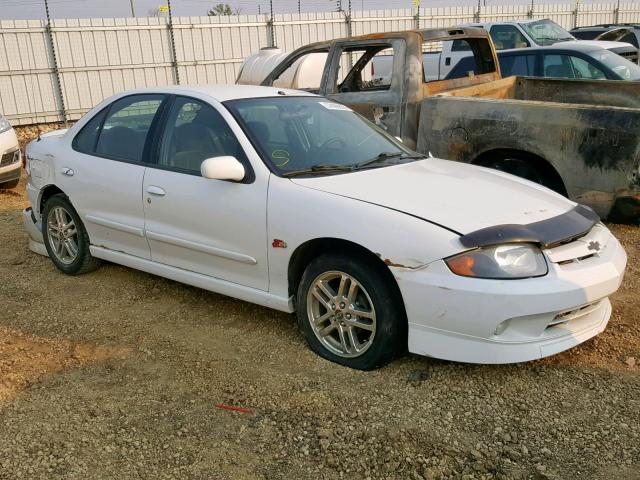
(297,214)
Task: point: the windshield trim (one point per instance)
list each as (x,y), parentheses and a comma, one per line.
(229,106)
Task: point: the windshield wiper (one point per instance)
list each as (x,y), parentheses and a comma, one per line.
(325,168)
(383,157)
(321,168)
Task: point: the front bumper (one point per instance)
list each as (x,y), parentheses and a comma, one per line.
(34,229)
(10,173)
(10,158)
(508,321)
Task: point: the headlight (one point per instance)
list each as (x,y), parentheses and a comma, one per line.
(4,124)
(500,262)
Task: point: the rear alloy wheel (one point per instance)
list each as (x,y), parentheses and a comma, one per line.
(349,313)
(65,237)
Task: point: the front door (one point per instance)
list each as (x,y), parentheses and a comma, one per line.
(212,227)
(367,76)
(103,176)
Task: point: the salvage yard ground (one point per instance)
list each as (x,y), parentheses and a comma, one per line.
(117,374)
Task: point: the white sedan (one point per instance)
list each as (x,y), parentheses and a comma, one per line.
(10,164)
(291,201)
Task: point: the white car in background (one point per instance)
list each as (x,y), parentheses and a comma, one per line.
(10,159)
(292,201)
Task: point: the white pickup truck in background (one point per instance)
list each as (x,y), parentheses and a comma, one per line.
(545,32)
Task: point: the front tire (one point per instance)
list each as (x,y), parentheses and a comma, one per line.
(348,312)
(65,237)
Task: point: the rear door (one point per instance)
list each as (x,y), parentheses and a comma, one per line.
(103,177)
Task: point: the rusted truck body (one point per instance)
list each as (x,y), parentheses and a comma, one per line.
(580,138)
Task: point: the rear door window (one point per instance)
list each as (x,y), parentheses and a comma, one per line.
(86,140)
(124,133)
(520,65)
(558,66)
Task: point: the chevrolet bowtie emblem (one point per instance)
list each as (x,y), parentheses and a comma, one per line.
(594,246)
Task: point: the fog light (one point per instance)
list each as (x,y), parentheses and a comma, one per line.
(502,326)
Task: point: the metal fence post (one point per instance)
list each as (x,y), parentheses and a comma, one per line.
(176,71)
(417,18)
(347,18)
(530,12)
(616,13)
(56,70)
(476,16)
(271,41)
(575,14)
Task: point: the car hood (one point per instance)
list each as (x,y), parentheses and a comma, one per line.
(463,198)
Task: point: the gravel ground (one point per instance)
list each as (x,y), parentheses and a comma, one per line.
(119,374)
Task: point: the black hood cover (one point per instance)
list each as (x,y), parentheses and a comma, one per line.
(546,233)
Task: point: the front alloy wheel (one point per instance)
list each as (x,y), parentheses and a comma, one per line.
(341,314)
(350,310)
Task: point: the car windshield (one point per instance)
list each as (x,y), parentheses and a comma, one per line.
(546,32)
(313,135)
(622,67)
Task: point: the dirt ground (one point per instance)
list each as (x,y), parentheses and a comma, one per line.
(120,374)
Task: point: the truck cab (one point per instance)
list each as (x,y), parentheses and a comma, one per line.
(381,77)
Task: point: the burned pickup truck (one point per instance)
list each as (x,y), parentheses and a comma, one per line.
(579,138)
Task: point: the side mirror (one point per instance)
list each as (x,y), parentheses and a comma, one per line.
(222,168)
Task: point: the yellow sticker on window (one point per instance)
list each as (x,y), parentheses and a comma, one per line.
(280,157)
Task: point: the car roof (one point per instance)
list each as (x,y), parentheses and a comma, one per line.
(222,93)
(573,46)
(609,26)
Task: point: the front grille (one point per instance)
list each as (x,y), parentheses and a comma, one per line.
(582,249)
(574,314)
(9,158)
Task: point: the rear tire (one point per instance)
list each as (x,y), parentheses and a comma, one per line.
(65,237)
(348,312)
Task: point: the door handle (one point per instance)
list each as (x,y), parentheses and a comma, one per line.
(67,171)
(153,190)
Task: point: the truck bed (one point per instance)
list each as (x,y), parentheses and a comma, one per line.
(584,92)
(588,131)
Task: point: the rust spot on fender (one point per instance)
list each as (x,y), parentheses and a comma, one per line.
(391,263)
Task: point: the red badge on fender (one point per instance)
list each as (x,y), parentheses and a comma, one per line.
(278,243)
